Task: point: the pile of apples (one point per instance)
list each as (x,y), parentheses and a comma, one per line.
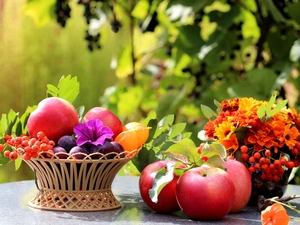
(56,118)
(202,193)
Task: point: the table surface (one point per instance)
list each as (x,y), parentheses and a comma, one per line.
(15,196)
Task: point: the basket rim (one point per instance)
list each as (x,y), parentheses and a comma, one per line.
(87,157)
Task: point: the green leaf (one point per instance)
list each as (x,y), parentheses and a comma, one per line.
(166,146)
(274,11)
(153,124)
(261,112)
(185,147)
(162,178)
(295,51)
(124,65)
(208,112)
(140,10)
(160,139)
(212,149)
(68,88)
(18,163)
(80,112)
(144,158)
(293,10)
(216,161)
(3,160)
(52,91)
(176,129)
(166,122)
(178,157)
(42,12)
(265,112)
(129,101)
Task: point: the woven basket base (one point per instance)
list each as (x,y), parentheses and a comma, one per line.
(75,200)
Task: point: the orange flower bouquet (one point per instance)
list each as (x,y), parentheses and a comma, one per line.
(263,135)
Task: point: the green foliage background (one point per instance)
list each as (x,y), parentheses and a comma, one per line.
(168,57)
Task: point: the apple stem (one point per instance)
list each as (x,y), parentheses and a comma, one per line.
(263,202)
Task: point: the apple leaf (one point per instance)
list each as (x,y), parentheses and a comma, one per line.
(166,121)
(162,178)
(178,157)
(212,149)
(185,147)
(216,161)
(176,129)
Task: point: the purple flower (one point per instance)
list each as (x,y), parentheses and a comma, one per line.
(92,132)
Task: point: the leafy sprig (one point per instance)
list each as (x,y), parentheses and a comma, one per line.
(14,123)
(168,141)
(266,111)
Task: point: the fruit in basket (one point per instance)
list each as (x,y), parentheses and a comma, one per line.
(118,148)
(79,152)
(107,148)
(141,130)
(60,152)
(67,142)
(54,116)
(205,193)
(107,117)
(133,136)
(167,202)
(242,182)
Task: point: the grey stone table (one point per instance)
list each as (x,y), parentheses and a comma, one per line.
(14,208)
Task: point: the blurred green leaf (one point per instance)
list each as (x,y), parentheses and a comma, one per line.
(129,101)
(124,66)
(274,11)
(208,112)
(141,9)
(42,12)
(295,51)
(293,10)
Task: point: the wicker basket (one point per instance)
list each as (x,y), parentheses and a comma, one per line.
(76,185)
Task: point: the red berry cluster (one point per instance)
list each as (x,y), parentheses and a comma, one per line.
(28,146)
(271,169)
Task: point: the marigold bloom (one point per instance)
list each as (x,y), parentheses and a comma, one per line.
(246,121)
(274,214)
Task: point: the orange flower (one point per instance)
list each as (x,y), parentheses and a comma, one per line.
(224,130)
(290,136)
(274,215)
(263,128)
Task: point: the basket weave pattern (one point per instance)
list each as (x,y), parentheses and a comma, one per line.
(75,185)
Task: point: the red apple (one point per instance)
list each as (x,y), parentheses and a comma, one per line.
(167,202)
(241,178)
(54,116)
(108,118)
(205,193)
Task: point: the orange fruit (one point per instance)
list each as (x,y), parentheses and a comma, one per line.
(142,131)
(133,136)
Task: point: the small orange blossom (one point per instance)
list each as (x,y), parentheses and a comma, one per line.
(275,214)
